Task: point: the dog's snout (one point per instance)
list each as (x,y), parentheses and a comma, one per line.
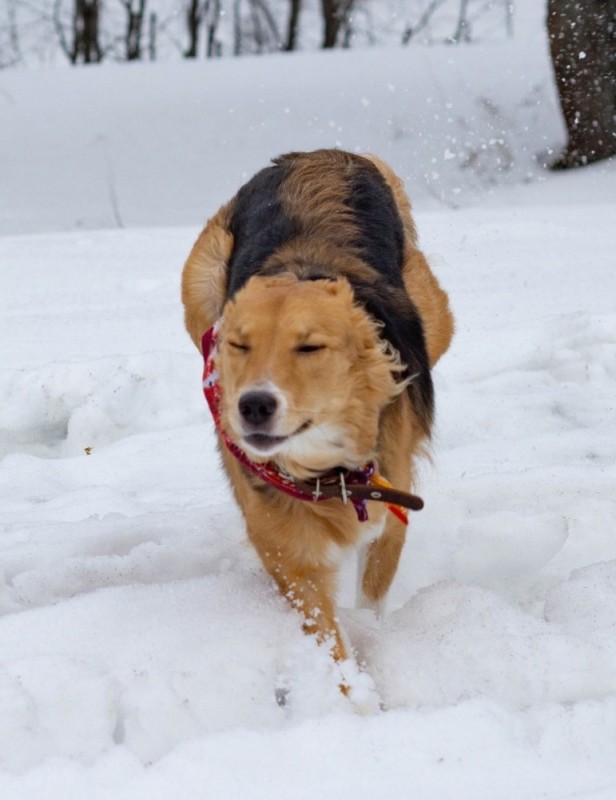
(257,408)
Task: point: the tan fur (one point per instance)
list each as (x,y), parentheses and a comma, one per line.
(348,387)
(204,276)
(345,385)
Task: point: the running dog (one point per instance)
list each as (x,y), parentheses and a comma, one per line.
(319,320)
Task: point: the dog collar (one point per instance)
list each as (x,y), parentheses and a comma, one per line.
(357,486)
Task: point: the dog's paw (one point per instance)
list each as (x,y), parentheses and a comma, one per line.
(360,688)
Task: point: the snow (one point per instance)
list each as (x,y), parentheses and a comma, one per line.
(161,144)
(142,648)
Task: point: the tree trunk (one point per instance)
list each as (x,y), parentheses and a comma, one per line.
(193,21)
(86,47)
(462,31)
(293,25)
(331,23)
(213,11)
(237,29)
(134,29)
(14,52)
(335,13)
(582,37)
(152,27)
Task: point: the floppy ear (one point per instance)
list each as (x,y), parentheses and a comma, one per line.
(205,276)
(402,328)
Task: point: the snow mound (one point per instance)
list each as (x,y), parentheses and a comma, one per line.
(63,408)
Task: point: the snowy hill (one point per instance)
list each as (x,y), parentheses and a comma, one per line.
(134,145)
(140,641)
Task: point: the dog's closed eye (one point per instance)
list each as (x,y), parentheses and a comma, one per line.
(237,346)
(309,348)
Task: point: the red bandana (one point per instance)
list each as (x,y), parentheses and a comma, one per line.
(269,472)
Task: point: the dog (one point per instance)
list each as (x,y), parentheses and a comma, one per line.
(322,321)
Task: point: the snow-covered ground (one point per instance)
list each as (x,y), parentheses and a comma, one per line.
(141,644)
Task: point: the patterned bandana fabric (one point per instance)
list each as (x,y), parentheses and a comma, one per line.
(267,472)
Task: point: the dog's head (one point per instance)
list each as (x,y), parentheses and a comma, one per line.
(304,374)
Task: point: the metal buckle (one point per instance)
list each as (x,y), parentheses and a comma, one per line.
(317,492)
(343,489)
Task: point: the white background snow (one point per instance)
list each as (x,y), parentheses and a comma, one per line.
(140,642)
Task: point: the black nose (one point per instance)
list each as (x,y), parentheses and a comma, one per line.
(257,408)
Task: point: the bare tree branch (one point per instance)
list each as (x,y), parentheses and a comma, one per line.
(423,20)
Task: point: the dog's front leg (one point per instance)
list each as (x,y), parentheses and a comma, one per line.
(295,546)
(378,565)
(309,589)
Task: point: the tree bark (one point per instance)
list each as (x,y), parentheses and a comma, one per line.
(582,37)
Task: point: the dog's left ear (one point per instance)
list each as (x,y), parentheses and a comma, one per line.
(205,276)
(403,329)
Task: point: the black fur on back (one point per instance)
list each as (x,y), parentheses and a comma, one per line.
(258,225)
(381,235)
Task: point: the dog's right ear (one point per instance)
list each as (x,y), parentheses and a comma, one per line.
(401,326)
(204,279)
